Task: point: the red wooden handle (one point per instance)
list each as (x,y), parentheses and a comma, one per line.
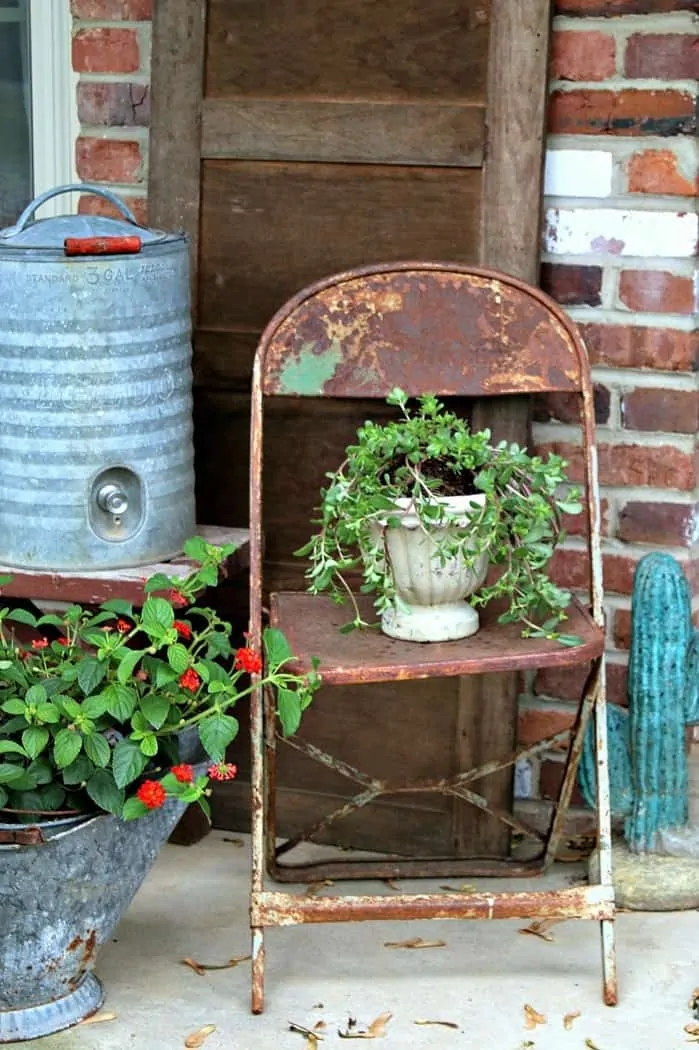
(102,245)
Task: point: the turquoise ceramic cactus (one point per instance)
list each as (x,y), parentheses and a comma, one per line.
(648,763)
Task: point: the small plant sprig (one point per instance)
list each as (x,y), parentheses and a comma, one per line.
(430,452)
(95,710)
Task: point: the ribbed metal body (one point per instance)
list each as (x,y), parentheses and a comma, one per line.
(96,456)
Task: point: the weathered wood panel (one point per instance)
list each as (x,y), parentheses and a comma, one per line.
(395,49)
(450,134)
(176,74)
(271,229)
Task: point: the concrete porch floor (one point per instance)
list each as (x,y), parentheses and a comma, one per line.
(194,904)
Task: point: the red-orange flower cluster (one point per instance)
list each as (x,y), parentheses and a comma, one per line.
(190,680)
(248,660)
(123,626)
(183,629)
(40,643)
(177,599)
(152,794)
(222,771)
(184,773)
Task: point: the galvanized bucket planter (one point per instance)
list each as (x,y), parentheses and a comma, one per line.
(60,900)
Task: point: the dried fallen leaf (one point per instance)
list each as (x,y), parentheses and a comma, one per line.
(319,1026)
(541,928)
(525,1044)
(105,1015)
(312,1038)
(692,1029)
(376,1030)
(197,1038)
(415,942)
(201,968)
(392,883)
(443,1024)
(464,888)
(317,1006)
(315,887)
(234,842)
(532,1017)
(590,1045)
(693,1003)
(569,1018)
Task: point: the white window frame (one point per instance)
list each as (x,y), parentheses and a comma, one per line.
(54,103)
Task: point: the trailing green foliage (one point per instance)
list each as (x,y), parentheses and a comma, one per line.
(431,452)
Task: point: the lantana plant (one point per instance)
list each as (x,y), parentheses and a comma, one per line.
(93,709)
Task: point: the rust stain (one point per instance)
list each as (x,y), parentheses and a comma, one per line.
(74,944)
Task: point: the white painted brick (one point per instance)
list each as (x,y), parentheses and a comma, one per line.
(578,173)
(606,231)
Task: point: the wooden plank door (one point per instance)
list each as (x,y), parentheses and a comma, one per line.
(292,139)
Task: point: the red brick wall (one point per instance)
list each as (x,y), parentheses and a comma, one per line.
(618,252)
(111,53)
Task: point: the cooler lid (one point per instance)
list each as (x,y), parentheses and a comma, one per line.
(51,234)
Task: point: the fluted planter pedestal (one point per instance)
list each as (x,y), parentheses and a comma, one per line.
(431,591)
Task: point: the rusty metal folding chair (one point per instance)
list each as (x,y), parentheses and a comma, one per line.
(451,330)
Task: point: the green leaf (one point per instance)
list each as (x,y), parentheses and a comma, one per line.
(77,771)
(178,657)
(97,749)
(104,792)
(157,582)
(127,664)
(34,740)
(196,548)
(157,615)
(50,619)
(66,747)
(14,707)
(133,809)
(10,773)
(48,712)
(276,647)
(90,674)
(216,733)
(156,708)
(11,747)
(128,762)
(149,745)
(208,575)
(22,616)
(289,711)
(163,675)
(95,706)
(119,606)
(36,694)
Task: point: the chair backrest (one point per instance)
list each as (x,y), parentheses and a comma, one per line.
(442,328)
(425,327)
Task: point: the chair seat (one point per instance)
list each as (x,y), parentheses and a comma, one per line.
(311,624)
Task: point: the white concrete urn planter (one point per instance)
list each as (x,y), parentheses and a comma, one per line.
(431,591)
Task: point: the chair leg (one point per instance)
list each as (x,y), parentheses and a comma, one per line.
(258,970)
(258,806)
(604,826)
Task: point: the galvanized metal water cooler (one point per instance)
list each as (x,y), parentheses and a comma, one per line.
(96,455)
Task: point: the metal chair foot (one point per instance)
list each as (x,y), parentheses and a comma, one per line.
(258,971)
(609,978)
